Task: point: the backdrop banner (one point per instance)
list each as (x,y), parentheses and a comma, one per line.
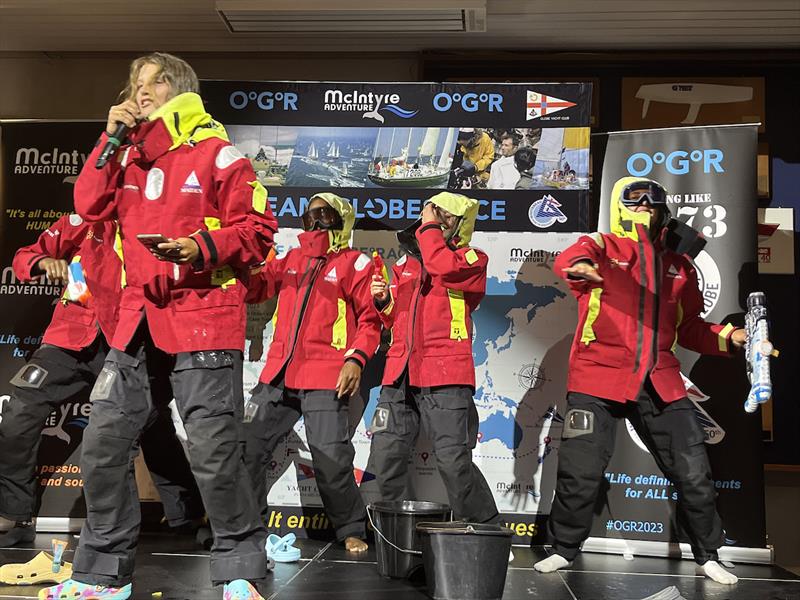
(388,147)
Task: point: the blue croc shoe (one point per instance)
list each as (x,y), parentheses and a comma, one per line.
(280,549)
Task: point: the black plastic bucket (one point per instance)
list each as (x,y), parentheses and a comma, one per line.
(465,561)
(397,543)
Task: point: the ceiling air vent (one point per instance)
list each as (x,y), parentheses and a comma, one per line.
(359,16)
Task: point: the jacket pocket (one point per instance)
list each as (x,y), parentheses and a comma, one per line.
(454,418)
(76,314)
(194,301)
(276,350)
(396,349)
(667,360)
(603,354)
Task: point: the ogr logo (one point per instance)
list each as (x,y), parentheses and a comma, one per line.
(469,102)
(677,162)
(264,100)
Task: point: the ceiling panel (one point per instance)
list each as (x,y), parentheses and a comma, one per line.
(552,25)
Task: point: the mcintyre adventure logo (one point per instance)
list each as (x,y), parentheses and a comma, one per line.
(33,161)
(67,415)
(39,286)
(371,105)
(532,255)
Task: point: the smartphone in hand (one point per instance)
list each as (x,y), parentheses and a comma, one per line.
(151,240)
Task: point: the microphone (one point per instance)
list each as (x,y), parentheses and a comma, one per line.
(112,145)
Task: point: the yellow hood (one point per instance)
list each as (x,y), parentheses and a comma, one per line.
(187,121)
(339,238)
(622,221)
(463,207)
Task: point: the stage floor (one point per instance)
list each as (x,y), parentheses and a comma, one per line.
(174,566)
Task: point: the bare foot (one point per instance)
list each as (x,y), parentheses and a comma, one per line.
(353,544)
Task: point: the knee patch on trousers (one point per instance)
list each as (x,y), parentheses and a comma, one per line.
(264,397)
(578,422)
(250,410)
(380,420)
(103,384)
(30,376)
(394,418)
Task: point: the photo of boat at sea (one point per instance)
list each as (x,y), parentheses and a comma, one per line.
(562,161)
(418,157)
(336,157)
(269,149)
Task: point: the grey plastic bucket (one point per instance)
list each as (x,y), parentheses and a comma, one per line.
(397,543)
(465,561)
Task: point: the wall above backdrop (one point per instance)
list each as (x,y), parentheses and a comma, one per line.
(552,25)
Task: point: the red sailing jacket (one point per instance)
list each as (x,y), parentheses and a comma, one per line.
(430,312)
(630,324)
(324,316)
(180,177)
(74,326)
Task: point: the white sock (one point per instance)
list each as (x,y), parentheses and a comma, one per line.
(713,570)
(554,562)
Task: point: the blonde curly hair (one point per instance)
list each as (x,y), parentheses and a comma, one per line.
(176,71)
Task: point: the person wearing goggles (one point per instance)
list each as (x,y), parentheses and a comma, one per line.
(325,331)
(321,216)
(637,299)
(647,196)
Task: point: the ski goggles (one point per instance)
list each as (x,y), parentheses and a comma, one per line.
(322,217)
(652,193)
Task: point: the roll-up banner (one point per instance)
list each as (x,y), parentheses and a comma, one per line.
(710,177)
(39,162)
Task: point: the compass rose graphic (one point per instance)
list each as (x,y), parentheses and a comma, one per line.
(532,376)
